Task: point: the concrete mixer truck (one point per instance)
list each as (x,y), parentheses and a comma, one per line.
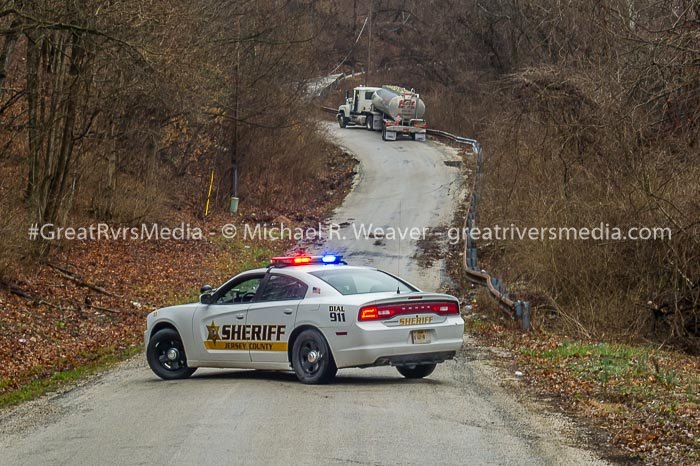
(392,110)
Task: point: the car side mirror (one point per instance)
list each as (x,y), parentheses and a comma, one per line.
(205,288)
(207,297)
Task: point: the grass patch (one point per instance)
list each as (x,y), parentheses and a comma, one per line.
(99,361)
(607,362)
(474,325)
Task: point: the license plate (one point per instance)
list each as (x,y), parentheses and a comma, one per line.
(420,336)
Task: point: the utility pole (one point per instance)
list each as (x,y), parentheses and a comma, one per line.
(369,44)
(236,91)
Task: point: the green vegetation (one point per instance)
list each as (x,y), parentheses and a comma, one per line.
(627,370)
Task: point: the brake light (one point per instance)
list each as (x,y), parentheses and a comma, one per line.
(387,311)
(368,313)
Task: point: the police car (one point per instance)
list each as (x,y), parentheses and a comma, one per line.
(313,315)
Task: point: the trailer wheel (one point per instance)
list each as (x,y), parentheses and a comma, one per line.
(369,123)
(342,121)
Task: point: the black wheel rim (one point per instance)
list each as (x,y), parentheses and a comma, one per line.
(310,368)
(162,350)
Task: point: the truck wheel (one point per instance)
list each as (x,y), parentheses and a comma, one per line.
(312,360)
(166,355)
(342,122)
(416,372)
(383,134)
(369,123)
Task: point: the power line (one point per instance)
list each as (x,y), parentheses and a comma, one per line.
(351,48)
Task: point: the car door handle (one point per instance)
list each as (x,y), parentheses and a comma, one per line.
(240,316)
(288,311)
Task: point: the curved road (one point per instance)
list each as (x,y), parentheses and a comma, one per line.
(459,415)
(403,189)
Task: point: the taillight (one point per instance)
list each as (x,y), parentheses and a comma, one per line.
(368,313)
(387,311)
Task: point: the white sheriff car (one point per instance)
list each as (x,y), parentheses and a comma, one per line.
(312,315)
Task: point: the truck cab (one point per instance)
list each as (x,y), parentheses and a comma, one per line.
(357,109)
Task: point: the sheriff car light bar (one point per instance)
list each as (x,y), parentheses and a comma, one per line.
(306,260)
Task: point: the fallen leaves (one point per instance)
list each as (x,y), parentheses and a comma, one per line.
(94,296)
(645,398)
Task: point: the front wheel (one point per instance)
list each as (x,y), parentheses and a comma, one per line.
(312,360)
(166,355)
(417,371)
(342,122)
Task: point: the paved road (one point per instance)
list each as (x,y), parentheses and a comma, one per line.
(457,416)
(402,188)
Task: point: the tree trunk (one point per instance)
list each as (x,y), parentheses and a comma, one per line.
(8,47)
(33,59)
(57,185)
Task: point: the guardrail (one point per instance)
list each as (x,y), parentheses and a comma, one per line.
(497,289)
(517,309)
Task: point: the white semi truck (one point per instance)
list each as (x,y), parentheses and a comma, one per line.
(390,109)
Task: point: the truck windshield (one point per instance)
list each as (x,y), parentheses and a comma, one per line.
(359,281)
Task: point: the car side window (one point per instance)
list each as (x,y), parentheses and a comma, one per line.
(282,288)
(240,292)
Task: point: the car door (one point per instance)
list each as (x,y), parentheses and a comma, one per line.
(271,317)
(221,326)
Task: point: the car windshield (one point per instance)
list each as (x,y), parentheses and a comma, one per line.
(359,281)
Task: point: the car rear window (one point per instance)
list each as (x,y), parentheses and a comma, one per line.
(358,281)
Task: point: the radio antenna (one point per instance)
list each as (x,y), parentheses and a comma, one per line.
(398,261)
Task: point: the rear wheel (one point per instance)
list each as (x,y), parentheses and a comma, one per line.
(384,134)
(417,371)
(369,123)
(166,355)
(312,359)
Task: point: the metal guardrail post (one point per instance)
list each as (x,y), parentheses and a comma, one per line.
(471,258)
(526,316)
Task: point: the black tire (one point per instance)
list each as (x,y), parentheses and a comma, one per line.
(342,121)
(369,123)
(383,134)
(163,365)
(417,371)
(322,368)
